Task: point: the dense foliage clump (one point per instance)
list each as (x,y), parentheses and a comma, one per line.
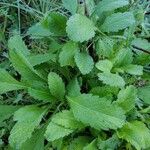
(78,79)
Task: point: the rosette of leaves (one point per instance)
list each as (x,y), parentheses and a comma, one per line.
(86,86)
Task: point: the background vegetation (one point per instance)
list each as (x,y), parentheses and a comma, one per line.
(74,74)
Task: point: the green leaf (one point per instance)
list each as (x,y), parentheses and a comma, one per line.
(73,88)
(23,66)
(8,83)
(103,91)
(104,47)
(144,94)
(90,6)
(58,144)
(30,113)
(61,125)
(28,118)
(96,112)
(111,79)
(80,28)
(136,133)
(91,146)
(118,21)
(41,58)
(109,144)
(16,42)
(104,65)
(141,57)
(55,132)
(123,58)
(55,45)
(134,69)
(41,94)
(36,142)
(37,31)
(6,111)
(56,85)
(79,143)
(84,62)
(71,5)
(81,8)
(141,43)
(56,23)
(66,56)
(67,120)
(110,5)
(127,98)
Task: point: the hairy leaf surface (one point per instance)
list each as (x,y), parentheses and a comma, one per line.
(67,120)
(41,58)
(56,23)
(73,88)
(111,79)
(28,118)
(41,94)
(56,85)
(134,69)
(23,66)
(84,62)
(127,98)
(61,125)
(102,114)
(118,21)
(123,58)
(66,56)
(136,133)
(55,132)
(36,142)
(104,47)
(71,5)
(109,5)
(80,28)
(144,94)
(104,65)
(16,42)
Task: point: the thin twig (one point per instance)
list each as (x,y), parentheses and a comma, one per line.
(141,49)
(19,21)
(147,13)
(26,8)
